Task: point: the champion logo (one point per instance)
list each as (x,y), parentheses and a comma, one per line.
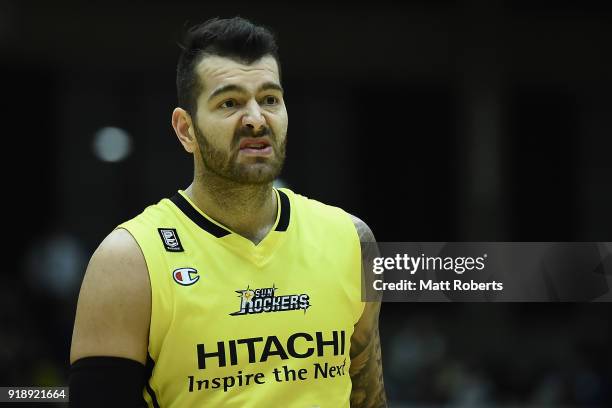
(185,276)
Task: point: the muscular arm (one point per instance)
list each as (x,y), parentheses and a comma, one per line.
(110,337)
(114,307)
(366,361)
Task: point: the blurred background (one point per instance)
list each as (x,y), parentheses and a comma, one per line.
(434,120)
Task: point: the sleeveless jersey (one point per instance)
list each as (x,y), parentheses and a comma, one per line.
(234,324)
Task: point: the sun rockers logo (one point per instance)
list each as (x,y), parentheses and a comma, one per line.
(260,300)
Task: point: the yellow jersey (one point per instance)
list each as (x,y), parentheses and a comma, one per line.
(234,324)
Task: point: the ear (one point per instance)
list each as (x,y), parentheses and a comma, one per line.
(183,127)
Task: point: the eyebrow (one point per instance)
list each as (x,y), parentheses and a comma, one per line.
(238,88)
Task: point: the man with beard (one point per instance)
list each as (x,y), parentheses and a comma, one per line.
(231,292)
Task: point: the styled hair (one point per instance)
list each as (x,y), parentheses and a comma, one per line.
(235,38)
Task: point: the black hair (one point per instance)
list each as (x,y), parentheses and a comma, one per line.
(235,38)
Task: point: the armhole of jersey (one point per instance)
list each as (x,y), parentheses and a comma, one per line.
(362,304)
(149,274)
(361,288)
(149,394)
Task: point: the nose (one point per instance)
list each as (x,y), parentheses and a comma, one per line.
(253,117)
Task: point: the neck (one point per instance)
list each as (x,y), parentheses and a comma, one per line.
(247,209)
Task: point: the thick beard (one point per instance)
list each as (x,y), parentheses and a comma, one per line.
(224,164)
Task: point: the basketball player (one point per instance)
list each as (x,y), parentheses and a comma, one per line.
(231,293)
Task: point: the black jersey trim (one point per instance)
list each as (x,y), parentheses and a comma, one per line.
(285,212)
(218,231)
(203,222)
(149,370)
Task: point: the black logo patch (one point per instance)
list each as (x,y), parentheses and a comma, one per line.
(170,239)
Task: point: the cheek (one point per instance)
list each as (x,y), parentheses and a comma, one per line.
(280,125)
(217,134)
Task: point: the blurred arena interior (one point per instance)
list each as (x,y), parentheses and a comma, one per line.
(434,120)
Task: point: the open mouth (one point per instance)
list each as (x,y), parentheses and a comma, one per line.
(255,146)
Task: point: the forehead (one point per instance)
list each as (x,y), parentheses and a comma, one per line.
(215,71)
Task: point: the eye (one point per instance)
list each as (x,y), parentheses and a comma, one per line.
(270,100)
(230,103)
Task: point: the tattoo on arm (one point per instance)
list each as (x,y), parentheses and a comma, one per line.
(366,359)
(366,372)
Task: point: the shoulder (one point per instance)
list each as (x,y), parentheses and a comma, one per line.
(329,211)
(118,250)
(369,251)
(363,230)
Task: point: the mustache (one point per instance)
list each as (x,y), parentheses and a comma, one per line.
(246,131)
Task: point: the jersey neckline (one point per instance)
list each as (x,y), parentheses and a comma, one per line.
(218,230)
